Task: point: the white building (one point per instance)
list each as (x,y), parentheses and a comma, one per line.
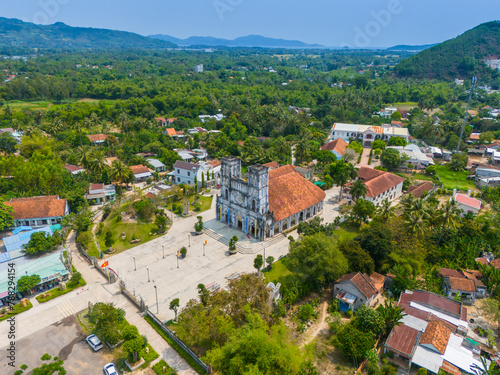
(185,173)
(416,157)
(157,165)
(198,68)
(217,117)
(38,211)
(380,185)
(466,203)
(367,133)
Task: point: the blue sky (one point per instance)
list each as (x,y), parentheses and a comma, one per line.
(356,23)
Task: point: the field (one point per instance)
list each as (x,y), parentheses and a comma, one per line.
(133,230)
(346,231)
(454,180)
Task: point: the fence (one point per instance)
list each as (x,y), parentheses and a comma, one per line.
(179,342)
(139,302)
(84,253)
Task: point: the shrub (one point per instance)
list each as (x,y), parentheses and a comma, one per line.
(388,370)
(422,371)
(75,279)
(306,312)
(158,368)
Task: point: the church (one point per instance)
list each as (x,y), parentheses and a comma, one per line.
(269,201)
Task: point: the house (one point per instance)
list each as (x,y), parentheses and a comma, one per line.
(217,117)
(421,189)
(436,152)
(100,193)
(171,132)
(387,112)
(476,276)
(380,185)
(461,287)
(38,211)
(337,147)
(97,139)
(157,165)
(356,289)
(466,203)
(198,68)
(165,121)
(432,335)
(415,156)
(272,165)
(185,173)
(141,172)
(74,169)
(197,130)
(366,134)
(474,137)
(14,134)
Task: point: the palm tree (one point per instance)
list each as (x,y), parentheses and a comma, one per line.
(341,173)
(417,223)
(358,190)
(448,215)
(98,161)
(84,156)
(385,211)
(282,149)
(302,150)
(391,313)
(120,172)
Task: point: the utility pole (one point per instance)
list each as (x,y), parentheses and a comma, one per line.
(471,90)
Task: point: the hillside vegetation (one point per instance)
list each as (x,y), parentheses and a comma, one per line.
(460,57)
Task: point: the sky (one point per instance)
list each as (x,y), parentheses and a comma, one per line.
(333,23)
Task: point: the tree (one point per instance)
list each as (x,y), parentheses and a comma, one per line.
(349,155)
(391,159)
(6,216)
(358,190)
(448,216)
(317,259)
(161,222)
(354,343)
(491,309)
(385,211)
(356,146)
(363,209)
(378,144)
(358,259)
(203,180)
(417,223)
(120,172)
(269,261)
(391,314)
(302,150)
(7,143)
(133,347)
(271,351)
(341,172)
(107,318)
(377,241)
(27,283)
(369,320)
(458,162)
(108,239)
(258,262)
(145,209)
(39,243)
(204,294)
(397,141)
(174,305)
(232,243)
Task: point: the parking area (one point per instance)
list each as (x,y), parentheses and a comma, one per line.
(64,339)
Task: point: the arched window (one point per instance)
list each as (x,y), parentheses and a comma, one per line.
(253,204)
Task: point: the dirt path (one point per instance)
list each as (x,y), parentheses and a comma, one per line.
(319,325)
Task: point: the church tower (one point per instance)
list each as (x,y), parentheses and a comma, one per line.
(258,179)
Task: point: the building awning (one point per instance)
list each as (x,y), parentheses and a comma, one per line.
(20,229)
(143,175)
(346,297)
(320,183)
(94,196)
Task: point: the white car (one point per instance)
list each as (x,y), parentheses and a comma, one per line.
(110,369)
(94,342)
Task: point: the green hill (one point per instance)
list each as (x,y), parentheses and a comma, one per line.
(460,57)
(16,33)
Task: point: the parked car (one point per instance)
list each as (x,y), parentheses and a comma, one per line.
(110,369)
(94,342)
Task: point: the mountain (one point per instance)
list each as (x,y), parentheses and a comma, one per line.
(462,56)
(16,33)
(405,47)
(244,41)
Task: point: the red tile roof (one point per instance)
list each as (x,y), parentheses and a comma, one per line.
(446,272)
(378,182)
(214,163)
(468,201)
(290,193)
(436,335)
(338,145)
(462,284)
(72,168)
(37,207)
(171,132)
(419,190)
(272,165)
(363,282)
(96,186)
(136,169)
(97,137)
(482,260)
(442,303)
(495,263)
(402,340)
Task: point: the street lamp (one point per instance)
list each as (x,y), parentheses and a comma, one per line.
(163,247)
(264,257)
(189,239)
(177,258)
(135,268)
(204,243)
(147,268)
(156,292)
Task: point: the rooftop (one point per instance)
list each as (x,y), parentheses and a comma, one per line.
(377,182)
(402,340)
(186,166)
(468,201)
(362,281)
(376,129)
(419,190)
(462,284)
(38,207)
(137,169)
(290,193)
(338,145)
(432,300)
(97,137)
(436,336)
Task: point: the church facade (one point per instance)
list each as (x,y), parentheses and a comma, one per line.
(268,202)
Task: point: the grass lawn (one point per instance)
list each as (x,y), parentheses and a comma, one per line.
(56,292)
(206,203)
(278,272)
(454,180)
(16,309)
(139,230)
(19,105)
(346,231)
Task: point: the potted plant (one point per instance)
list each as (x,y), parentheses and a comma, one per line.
(198,226)
(183,252)
(232,245)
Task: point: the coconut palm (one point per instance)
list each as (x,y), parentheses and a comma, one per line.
(417,223)
(341,173)
(385,211)
(98,161)
(302,150)
(120,172)
(358,190)
(84,156)
(282,149)
(448,216)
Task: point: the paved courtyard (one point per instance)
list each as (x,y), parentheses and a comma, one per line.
(179,278)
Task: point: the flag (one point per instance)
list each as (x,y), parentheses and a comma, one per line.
(105,264)
(205,242)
